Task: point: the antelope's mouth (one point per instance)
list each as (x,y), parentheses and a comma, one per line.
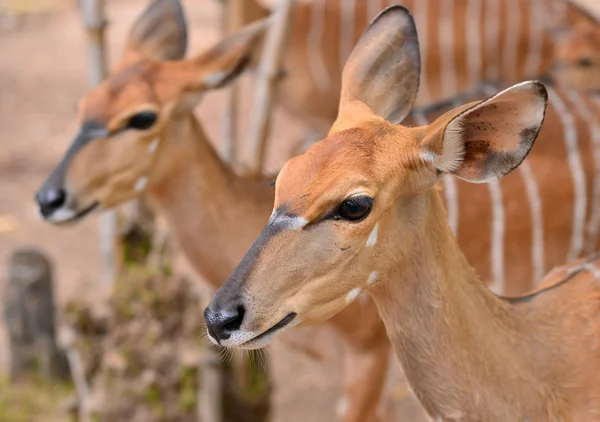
(58,219)
(271,331)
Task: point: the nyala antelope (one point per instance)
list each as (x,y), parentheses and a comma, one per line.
(138,134)
(361,210)
(463,43)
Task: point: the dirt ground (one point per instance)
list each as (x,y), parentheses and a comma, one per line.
(42,76)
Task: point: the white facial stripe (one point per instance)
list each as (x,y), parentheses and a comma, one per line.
(372,278)
(141,183)
(372,240)
(153,145)
(62,215)
(287,222)
(352,294)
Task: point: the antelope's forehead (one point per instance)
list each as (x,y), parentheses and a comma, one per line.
(127,89)
(329,170)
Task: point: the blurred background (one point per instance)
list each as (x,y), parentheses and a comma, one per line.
(103,321)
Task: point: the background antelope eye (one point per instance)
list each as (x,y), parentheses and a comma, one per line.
(355,208)
(585,62)
(142,121)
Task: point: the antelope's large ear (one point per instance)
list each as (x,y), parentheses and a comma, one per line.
(160,33)
(485,141)
(382,74)
(225,61)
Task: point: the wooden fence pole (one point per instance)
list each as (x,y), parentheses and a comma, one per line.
(266,79)
(29,313)
(234,17)
(94,20)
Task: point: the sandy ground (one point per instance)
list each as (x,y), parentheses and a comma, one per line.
(42,76)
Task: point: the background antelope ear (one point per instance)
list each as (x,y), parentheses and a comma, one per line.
(160,33)
(229,58)
(382,73)
(487,140)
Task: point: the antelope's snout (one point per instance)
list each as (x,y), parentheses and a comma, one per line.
(223,321)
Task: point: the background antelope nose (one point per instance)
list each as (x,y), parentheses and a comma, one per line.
(49,200)
(223,322)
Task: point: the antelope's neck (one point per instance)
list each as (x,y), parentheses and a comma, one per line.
(464,350)
(213,214)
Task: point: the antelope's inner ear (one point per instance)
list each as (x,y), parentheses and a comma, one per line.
(488,140)
(160,33)
(382,73)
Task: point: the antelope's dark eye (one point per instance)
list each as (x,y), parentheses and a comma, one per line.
(142,121)
(585,62)
(355,208)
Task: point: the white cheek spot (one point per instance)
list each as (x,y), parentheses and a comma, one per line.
(153,145)
(342,407)
(372,278)
(372,240)
(141,183)
(352,294)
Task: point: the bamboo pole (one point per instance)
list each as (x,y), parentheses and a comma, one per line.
(266,80)
(234,18)
(92,13)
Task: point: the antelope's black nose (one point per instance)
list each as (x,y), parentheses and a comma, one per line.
(50,200)
(223,322)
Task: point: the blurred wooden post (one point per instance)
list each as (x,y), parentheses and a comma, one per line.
(234,17)
(210,397)
(29,313)
(92,12)
(268,74)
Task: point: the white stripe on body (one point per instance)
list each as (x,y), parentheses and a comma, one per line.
(473,29)
(537,221)
(316,29)
(373,9)
(492,25)
(576,167)
(498,232)
(421,16)
(446,41)
(593,227)
(347,11)
(498,227)
(450,188)
(533,60)
(511,47)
